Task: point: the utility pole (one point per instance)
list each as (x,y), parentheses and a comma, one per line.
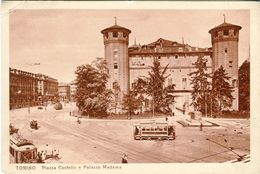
(206,104)
(211,101)
(153,104)
(230,149)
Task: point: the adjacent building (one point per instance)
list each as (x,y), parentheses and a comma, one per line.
(23,89)
(73,88)
(64,92)
(28,89)
(126,64)
(47,88)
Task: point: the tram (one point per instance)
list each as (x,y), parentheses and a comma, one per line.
(22,150)
(154,130)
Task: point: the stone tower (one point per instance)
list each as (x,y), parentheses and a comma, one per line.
(224,39)
(116,54)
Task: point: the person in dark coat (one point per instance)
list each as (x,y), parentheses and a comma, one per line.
(124,158)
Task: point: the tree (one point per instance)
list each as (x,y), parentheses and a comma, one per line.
(221,90)
(131,102)
(244,86)
(139,90)
(92,97)
(154,87)
(200,82)
(116,97)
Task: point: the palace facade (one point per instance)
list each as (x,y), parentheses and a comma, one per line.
(126,64)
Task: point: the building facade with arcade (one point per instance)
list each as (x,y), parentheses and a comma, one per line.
(29,89)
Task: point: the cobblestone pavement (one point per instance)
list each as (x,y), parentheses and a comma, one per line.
(104,141)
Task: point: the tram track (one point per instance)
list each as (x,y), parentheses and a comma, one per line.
(119,147)
(114,147)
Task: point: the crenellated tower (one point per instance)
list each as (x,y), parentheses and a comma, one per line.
(224,39)
(116,40)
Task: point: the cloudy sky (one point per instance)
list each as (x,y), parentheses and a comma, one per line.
(61,40)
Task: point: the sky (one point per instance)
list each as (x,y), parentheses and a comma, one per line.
(54,42)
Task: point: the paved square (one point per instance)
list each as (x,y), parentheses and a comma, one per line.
(104,141)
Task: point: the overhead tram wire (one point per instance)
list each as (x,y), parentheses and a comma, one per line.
(215,154)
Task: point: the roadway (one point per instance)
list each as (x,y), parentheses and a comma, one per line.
(104,141)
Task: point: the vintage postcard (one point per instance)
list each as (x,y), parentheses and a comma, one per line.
(122,87)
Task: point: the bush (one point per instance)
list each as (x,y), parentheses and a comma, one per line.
(233,114)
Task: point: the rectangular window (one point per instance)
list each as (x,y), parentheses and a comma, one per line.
(115,34)
(234,83)
(169,81)
(230,61)
(184,83)
(225,50)
(106,35)
(204,64)
(115,85)
(115,54)
(133,85)
(146,103)
(115,66)
(226,32)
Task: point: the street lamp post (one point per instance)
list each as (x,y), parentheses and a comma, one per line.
(153,104)
(206,104)
(210,105)
(210,101)
(19,93)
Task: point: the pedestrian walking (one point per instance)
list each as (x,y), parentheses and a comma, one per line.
(78,120)
(201,125)
(39,158)
(166,118)
(124,158)
(29,110)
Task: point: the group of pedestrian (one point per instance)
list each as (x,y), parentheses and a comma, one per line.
(40,157)
(47,153)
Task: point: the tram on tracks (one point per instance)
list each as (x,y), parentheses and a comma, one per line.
(22,150)
(154,130)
